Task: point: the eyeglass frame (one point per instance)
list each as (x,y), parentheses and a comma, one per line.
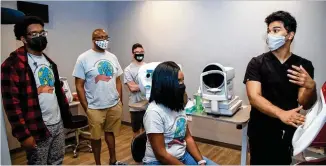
(101,38)
(135,52)
(37,34)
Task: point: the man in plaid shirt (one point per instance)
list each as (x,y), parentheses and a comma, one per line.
(33,98)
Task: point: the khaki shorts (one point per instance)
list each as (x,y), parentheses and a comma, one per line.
(104,120)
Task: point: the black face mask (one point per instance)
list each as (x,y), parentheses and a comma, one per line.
(182,88)
(139,57)
(37,43)
(181,93)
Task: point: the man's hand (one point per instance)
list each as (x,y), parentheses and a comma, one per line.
(29,143)
(81,92)
(301,77)
(45,89)
(292,117)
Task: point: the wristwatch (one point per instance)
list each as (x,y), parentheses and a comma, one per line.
(201,162)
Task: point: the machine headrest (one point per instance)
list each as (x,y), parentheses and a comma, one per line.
(213,80)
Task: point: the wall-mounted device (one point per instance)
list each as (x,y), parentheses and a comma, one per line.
(34,9)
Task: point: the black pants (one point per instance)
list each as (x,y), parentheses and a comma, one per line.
(271,148)
(137,120)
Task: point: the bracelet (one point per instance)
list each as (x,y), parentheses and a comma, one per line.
(201,162)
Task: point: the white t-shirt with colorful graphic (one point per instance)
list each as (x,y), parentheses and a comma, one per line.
(99,70)
(44,79)
(160,119)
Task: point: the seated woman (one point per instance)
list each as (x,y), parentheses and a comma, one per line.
(169,139)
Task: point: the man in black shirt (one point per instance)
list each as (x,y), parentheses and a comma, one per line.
(279,84)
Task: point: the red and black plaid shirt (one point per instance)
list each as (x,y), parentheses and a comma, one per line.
(20,97)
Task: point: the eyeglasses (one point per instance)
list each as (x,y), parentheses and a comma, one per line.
(139,52)
(38,34)
(102,38)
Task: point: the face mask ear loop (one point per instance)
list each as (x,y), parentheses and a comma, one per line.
(286,38)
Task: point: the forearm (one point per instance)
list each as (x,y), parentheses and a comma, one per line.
(308,98)
(193,149)
(264,106)
(16,119)
(12,106)
(18,126)
(82,97)
(134,88)
(119,89)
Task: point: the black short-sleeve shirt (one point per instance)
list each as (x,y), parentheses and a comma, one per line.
(275,85)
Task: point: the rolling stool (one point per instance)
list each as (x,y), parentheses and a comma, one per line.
(78,123)
(138,147)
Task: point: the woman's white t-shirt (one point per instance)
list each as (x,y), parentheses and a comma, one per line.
(160,119)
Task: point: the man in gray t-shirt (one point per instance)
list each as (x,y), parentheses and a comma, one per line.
(97,77)
(131,80)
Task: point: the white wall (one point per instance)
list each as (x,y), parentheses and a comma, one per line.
(192,33)
(195,33)
(70,28)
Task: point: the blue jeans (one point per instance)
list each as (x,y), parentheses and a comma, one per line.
(186,159)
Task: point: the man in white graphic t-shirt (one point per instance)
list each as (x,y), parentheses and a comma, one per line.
(97,77)
(33,98)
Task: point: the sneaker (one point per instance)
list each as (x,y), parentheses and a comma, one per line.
(119,163)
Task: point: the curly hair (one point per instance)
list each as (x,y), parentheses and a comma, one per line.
(20,28)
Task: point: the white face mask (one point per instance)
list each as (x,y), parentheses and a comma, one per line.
(274,42)
(102,44)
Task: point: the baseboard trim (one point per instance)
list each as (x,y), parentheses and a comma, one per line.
(217,143)
(126,123)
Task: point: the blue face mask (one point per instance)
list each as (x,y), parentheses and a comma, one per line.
(274,42)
